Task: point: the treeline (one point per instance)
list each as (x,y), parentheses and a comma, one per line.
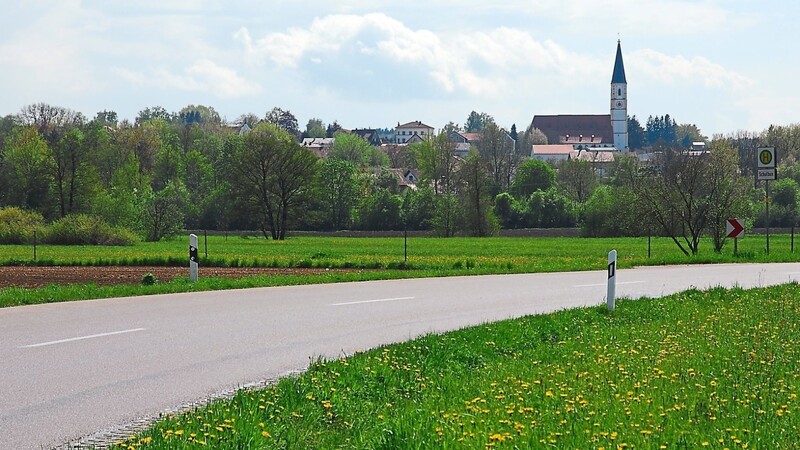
(166,172)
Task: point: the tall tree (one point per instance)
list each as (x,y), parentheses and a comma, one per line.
(479,219)
(476,122)
(450,127)
(498,150)
(163,212)
(636,134)
(687,133)
(26,169)
(338,188)
(533,175)
(526,141)
(691,195)
(315,128)
(47,118)
(153,113)
(577,179)
(199,181)
(333,129)
(355,149)
(284,120)
(435,159)
(69,169)
(274,172)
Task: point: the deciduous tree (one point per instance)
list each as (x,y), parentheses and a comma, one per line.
(274,172)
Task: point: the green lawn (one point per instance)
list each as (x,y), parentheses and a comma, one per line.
(368,259)
(715,369)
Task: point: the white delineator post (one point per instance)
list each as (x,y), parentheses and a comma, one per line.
(193,264)
(612,279)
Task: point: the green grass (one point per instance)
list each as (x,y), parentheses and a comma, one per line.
(714,369)
(500,253)
(380,258)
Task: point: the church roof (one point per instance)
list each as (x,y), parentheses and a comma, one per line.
(619,67)
(564,128)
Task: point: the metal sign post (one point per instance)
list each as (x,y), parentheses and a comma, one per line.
(734,228)
(766,165)
(193,263)
(612,279)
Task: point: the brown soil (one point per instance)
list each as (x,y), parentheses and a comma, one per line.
(42,276)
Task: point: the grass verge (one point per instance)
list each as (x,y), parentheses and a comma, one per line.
(700,369)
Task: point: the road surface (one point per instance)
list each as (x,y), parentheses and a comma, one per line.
(68,370)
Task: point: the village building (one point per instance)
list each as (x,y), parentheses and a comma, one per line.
(411,132)
(567,133)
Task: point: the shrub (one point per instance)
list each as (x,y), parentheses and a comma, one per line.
(18,225)
(82,229)
(149,279)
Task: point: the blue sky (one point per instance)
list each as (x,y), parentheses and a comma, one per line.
(722,65)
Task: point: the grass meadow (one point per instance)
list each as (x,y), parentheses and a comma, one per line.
(527,254)
(365,258)
(701,369)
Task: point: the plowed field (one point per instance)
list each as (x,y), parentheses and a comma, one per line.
(22,276)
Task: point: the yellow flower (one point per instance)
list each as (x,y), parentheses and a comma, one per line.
(265,434)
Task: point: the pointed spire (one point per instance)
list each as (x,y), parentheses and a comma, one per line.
(619,68)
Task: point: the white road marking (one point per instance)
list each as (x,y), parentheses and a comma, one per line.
(374,301)
(605,284)
(81,338)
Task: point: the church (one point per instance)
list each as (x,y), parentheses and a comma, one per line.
(585,136)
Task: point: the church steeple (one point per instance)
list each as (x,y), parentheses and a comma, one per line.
(619,67)
(619,103)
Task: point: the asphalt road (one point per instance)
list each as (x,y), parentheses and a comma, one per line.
(71,369)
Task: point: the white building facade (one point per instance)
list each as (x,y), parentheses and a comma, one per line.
(619,103)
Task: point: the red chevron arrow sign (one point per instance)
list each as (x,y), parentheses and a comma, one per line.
(734,228)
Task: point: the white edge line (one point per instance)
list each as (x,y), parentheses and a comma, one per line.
(373,301)
(93,336)
(605,284)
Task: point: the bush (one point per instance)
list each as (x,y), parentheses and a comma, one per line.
(18,225)
(149,279)
(82,229)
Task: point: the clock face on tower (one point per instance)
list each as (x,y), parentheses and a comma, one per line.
(617,104)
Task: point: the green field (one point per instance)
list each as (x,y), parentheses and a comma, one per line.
(715,369)
(534,254)
(365,259)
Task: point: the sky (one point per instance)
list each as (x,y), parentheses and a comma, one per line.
(724,66)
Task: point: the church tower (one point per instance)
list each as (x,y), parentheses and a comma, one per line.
(619,103)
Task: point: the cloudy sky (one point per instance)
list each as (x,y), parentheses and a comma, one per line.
(724,65)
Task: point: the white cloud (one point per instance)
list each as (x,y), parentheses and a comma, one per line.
(673,69)
(203,76)
(650,17)
(478,63)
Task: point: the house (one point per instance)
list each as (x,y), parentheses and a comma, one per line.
(552,153)
(369,135)
(600,160)
(412,132)
(406,179)
(320,146)
(464,142)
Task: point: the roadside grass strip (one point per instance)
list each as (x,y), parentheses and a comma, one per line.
(700,369)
